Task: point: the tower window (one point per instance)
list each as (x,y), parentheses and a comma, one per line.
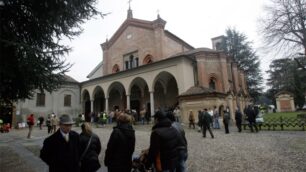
(212,84)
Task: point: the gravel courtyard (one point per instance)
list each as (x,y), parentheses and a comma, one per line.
(234,152)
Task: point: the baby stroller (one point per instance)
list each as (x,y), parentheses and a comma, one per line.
(139,162)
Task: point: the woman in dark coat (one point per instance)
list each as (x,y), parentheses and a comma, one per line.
(121,145)
(89,159)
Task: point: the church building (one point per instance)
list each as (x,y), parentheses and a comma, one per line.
(147,67)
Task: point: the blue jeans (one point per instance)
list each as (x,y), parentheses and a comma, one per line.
(181,166)
(216,123)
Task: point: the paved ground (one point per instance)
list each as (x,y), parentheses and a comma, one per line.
(263,151)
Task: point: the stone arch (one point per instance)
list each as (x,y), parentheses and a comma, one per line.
(139,94)
(116,96)
(98,97)
(165,90)
(148,59)
(115,68)
(86,104)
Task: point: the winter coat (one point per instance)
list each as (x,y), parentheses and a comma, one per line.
(90,160)
(226,117)
(251,114)
(206,119)
(120,147)
(238,116)
(164,141)
(200,114)
(61,156)
(182,139)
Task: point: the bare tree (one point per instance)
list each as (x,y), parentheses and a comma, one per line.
(284,26)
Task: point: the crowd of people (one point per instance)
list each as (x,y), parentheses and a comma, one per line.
(67,150)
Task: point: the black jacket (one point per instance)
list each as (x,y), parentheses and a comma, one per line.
(238,116)
(61,156)
(206,119)
(120,147)
(182,138)
(90,161)
(164,140)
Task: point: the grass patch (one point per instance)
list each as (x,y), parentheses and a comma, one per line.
(281,114)
(288,118)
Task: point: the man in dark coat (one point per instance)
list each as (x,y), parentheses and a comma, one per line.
(251,118)
(206,123)
(61,150)
(238,119)
(121,145)
(164,142)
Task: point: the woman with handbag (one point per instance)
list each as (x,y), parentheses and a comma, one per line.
(90,148)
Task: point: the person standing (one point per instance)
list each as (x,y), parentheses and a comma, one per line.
(200,120)
(216,118)
(41,120)
(238,119)
(226,120)
(54,122)
(182,147)
(206,123)
(177,114)
(142,115)
(30,122)
(48,123)
(191,119)
(90,148)
(60,151)
(164,141)
(121,145)
(251,118)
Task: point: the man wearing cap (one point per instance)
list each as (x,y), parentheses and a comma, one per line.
(61,150)
(164,142)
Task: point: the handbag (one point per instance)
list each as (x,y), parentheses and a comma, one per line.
(86,149)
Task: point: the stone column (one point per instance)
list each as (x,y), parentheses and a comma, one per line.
(152,102)
(128,106)
(106,105)
(91,105)
(231,106)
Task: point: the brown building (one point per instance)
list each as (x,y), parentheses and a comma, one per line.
(146,66)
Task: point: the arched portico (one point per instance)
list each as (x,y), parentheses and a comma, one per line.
(139,95)
(86,104)
(117,96)
(98,100)
(165,91)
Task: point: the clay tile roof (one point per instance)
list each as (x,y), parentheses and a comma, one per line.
(195,90)
(70,79)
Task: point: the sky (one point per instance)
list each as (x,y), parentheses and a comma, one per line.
(194,21)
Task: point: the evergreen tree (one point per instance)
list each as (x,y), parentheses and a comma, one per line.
(285,75)
(236,46)
(31,52)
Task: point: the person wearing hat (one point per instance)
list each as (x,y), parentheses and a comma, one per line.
(60,151)
(164,142)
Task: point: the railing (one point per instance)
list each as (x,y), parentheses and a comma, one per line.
(282,123)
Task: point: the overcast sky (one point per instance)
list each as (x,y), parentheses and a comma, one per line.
(195,21)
